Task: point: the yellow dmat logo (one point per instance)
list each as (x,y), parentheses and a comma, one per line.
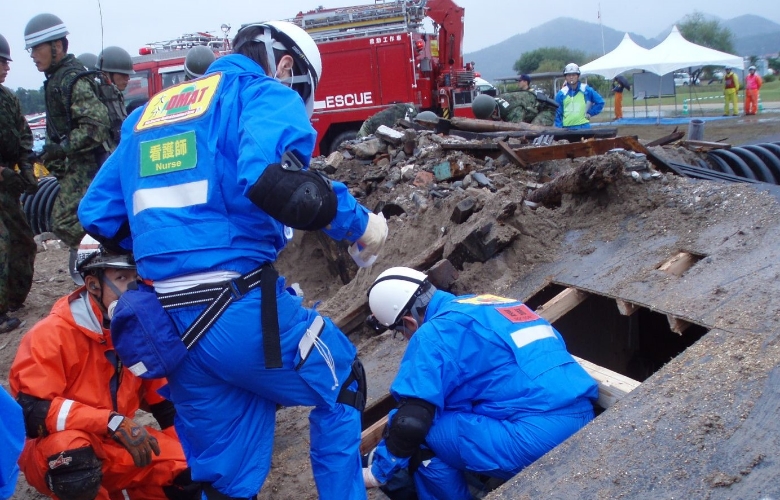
(483,300)
(185,101)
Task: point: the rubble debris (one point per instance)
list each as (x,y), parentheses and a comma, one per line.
(594,173)
(703,146)
(463,210)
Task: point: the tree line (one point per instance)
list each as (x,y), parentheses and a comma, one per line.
(32,101)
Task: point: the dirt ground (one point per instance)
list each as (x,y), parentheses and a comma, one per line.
(524,237)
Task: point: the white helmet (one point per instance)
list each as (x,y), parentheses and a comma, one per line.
(393,293)
(286,36)
(571,68)
(91,255)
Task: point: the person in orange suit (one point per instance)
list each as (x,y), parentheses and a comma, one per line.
(753,83)
(78,401)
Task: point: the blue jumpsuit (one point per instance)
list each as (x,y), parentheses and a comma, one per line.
(178,181)
(574,104)
(505,389)
(11,443)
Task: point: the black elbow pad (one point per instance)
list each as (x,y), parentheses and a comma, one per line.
(34,411)
(409,427)
(300,199)
(164,412)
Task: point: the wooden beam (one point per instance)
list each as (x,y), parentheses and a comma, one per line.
(677,325)
(626,308)
(612,386)
(661,141)
(370,437)
(678,264)
(562,303)
(573,150)
(511,154)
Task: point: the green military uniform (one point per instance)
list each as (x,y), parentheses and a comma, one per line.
(517,106)
(387,117)
(17,247)
(85,141)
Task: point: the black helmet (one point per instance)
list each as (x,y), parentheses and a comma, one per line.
(43,28)
(5,49)
(91,256)
(88,59)
(197,61)
(483,106)
(115,60)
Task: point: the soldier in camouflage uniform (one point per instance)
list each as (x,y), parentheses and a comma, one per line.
(526,105)
(77,124)
(387,117)
(17,247)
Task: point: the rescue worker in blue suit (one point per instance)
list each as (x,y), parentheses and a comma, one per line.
(485,386)
(207,178)
(577,102)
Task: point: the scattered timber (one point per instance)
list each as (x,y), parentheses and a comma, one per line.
(667,139)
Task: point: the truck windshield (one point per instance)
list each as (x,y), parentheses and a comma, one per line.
(138,88)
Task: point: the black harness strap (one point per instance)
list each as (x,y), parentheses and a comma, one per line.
(219,296)
(347,396)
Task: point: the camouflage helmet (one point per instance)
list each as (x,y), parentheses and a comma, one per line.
(427,117)
(5,49)
(483,106)
(115,60)
(43,28)
(197,61)
(88,59)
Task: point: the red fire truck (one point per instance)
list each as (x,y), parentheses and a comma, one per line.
(372,56)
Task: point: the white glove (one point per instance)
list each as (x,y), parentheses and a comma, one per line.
(369,479)
(587,116)
(367,248)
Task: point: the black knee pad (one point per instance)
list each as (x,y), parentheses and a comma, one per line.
(75,474)
(183,487)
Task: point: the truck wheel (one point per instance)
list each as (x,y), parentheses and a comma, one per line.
(349,135)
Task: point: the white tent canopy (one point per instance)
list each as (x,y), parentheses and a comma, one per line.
(675,52)
(623,58)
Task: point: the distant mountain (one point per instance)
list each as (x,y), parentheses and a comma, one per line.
(753,35)
(497,60)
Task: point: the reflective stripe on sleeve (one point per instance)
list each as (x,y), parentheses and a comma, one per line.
(525,336)
(178,196)
(62,416)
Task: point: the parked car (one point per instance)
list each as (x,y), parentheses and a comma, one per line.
(485,87)
(681,79)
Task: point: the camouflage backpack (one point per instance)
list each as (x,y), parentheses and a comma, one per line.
(108,94)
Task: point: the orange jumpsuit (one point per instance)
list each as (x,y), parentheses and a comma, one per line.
(752,86)
(64,359)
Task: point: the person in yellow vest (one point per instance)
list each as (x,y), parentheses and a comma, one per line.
(730,89)
(577,101)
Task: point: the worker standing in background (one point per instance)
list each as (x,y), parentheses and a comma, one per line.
(17,247)
(212,171)
(79,400)
(753,83)
(730,89)
(577,102)
(485,386)
(619,84)
(77,126)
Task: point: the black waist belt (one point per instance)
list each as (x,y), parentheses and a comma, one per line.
(219,296)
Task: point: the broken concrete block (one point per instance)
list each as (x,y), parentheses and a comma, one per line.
(423,179)
(442,275)
(389,135)
(480,244)
(463,210)
(40,238)
(53,245)
(407,172)
(482,180)
(334,161)
(367,149)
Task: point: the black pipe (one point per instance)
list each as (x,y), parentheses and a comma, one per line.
(720,164)
(40,207)
(49,205)
(755,163)
(735,162)
(771,161)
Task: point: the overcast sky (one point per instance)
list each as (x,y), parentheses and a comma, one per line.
(132,23)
